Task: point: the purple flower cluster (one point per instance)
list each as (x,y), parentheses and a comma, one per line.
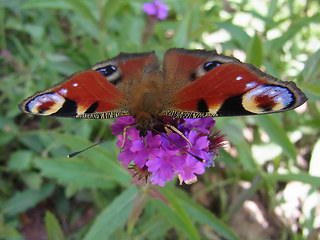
(157,9)
(164,155)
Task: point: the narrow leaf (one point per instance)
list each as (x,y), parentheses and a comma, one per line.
(277,134)
(113,216)
(187,228)
(41,4)
(102,158)
(22,201)
(202,215)
(315,160)
(255,51)
(312,66)
(278,43)
(237,33)
(53,227)
(312,88)
(138,206)
(301,177)
(74,171)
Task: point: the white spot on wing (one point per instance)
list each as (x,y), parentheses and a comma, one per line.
(251,85)
(75,84)
(56,97)
(63,91)
(239,78)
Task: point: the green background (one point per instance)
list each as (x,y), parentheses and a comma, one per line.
(269,168)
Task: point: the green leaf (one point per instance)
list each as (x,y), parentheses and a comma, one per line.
(200,214)
(185,224)
(180,38)
(278,43)
(238,34)
(138,206)
(156,225)
(32,141)
(301,177)
(245,155)
(277,134)
(84,10)
(113,217)
(311,68)
(315,160)
(86,17)
(32,179)
(233,130)
(53,227)
(9,233)
(58,4)
(247,194)
(109,10)
(75,171)
(5,138)
(103,158)
(255,51)
(272,8)
(312,88)
(20,160)
(21,201)
(167,213)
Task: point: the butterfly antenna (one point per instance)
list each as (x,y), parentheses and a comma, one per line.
(76,153)
(186,151)
(95,144)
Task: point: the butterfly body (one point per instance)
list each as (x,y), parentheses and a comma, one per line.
(189,84)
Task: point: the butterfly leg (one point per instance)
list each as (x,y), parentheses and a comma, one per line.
(124,134)
(176,130)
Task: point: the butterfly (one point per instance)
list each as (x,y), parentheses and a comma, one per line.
(189,84)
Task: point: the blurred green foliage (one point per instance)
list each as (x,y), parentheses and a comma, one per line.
(90,196)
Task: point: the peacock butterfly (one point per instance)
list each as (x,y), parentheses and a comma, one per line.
(190,84)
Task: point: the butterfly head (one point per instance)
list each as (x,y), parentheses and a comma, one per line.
(144,123)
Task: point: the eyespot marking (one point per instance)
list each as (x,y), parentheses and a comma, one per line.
(211,65)
(203,69)
(111,72)
(264,99)
(108,70)
(45,104)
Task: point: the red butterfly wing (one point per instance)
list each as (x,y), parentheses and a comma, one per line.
(223,86)
(83,93)
(98,93)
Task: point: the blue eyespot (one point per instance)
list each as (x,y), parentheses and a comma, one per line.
(107,70)
(211,65)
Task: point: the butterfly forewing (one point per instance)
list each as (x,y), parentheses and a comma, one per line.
(99,93)
(81,95)
(223,86)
